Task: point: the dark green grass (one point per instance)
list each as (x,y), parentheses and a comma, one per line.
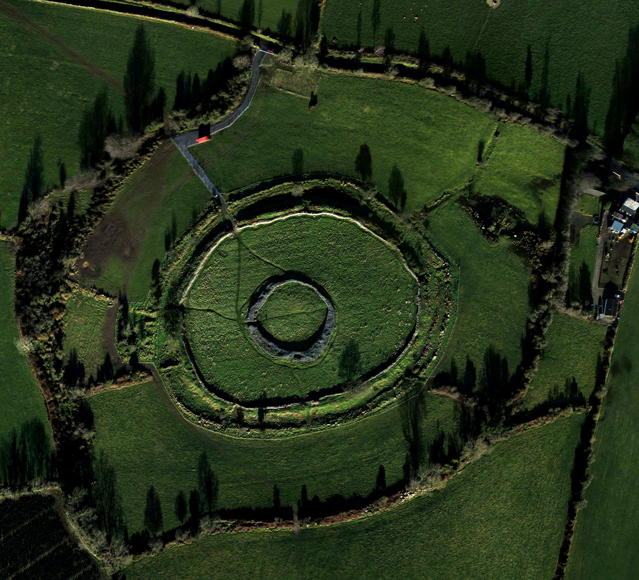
(154,207)
(605,542)
(525,169)
(501,518)
(293,313)
(373,293)
(492,305)
(86,318)
(432,138)
(149,443)
(573,349)
(44,91)
(579,36)
(20,397)
(34,542)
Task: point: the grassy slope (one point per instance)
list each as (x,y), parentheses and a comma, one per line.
(86,318)
(521,161)
(501,518)
(373,294)
(164,191)
(432,138)
(148,443)
(502,36)
(44,91)
(493,299)
(573,347)
(20,397)
(605,543)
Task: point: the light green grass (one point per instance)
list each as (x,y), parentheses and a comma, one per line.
(44,91)
(432,138)
(503,35)
(492,305)
(150,444)
(293,313)
(605,542)
(20,397)
(525,169)
(573,349)
(162,197)
(374,295)
(501,518)
(85,328)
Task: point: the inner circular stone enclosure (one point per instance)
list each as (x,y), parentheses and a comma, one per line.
(265,341)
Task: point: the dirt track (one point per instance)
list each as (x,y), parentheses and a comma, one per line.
(14,14)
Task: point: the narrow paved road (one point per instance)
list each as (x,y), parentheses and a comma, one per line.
(184,141)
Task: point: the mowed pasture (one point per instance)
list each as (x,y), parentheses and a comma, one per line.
(34,543)
(433,139)
(492,304)
(87,330)
(374,295)
(20,397)
(502,36)
(150,443)
(605,539)
(569,366)
(154,207)
(525,169)
(55,60)
(501,517)
(582,264)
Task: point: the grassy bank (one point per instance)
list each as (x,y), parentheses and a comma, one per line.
(502,517)
(151,211)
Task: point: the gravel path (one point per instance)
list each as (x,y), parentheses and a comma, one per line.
(184,141)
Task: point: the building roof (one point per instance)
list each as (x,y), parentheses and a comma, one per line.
(617,226)
(594,192)
(630,206)
(610,307)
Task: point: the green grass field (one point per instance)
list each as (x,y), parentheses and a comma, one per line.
(492,305)
(432,138)
(46,87)
(525,169)
(374,295)
(20,397)
(154,207)
(605,539)
(502,517)
(502,36)
(149,443)
(582,262)
(573,349)
(86,325)
(293,313)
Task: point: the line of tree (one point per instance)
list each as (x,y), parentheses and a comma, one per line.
(624,100)
(97,122)
(192,94)
(34,184)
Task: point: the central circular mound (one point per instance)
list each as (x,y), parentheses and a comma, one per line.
(297,307)
(291,319)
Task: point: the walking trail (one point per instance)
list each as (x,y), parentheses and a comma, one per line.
(184,141)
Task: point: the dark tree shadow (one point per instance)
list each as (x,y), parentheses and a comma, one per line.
(74,371)
(298,162)
(364,163)
(350,362)
(396,189)
(412,414)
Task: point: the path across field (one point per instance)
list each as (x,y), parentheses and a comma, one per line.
(185,140)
